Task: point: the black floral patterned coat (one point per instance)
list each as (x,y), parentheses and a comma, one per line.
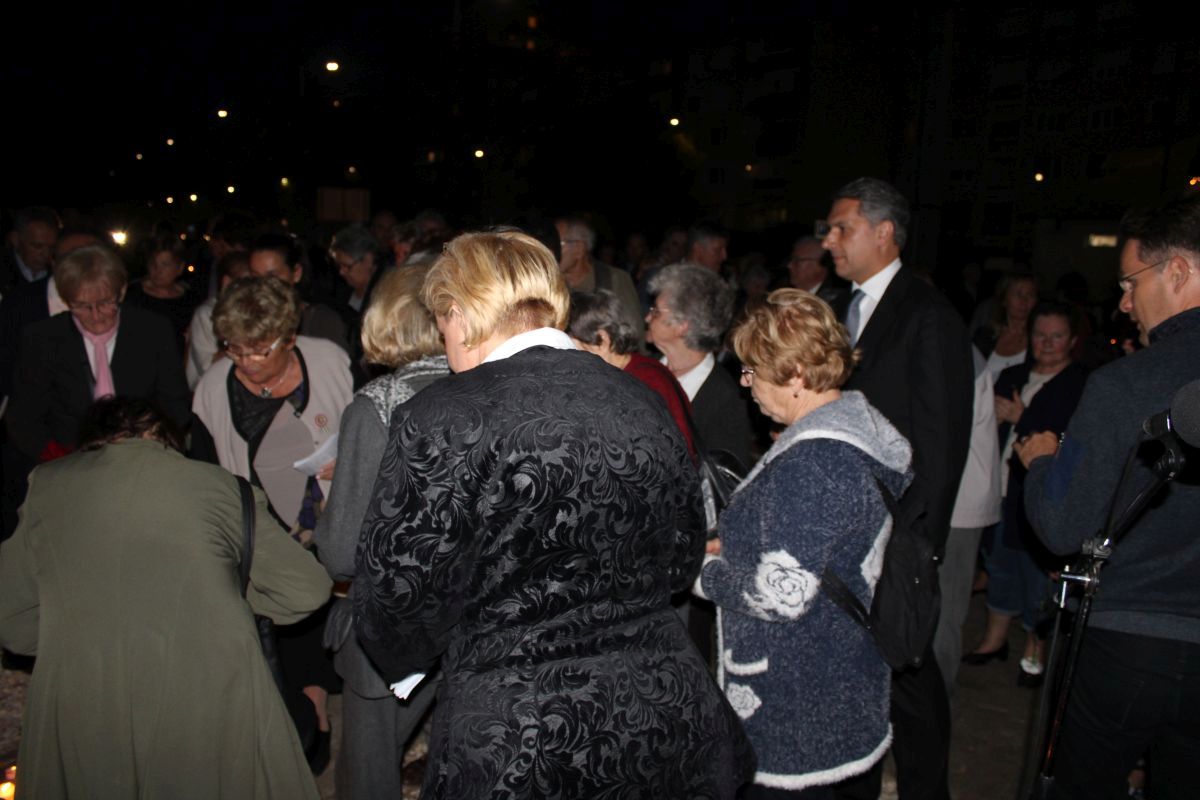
(531,519)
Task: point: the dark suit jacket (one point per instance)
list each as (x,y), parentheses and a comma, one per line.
(721,417)
(917,369)
(54,382)
(24,305)
(838,297)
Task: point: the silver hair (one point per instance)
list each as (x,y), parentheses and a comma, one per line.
(699,297)
(879,201)
(576,227)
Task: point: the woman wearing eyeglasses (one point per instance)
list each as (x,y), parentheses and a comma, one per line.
(97,349)
(273,401)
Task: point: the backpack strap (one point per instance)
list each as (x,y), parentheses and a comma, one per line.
(836,589)
(247,531)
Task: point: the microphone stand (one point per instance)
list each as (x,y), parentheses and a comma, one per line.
(1085,573)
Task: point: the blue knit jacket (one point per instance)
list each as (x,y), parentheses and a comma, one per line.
(808,683)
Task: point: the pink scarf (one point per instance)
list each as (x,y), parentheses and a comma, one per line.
(104,381)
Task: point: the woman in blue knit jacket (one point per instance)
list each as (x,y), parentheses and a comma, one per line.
(807,681)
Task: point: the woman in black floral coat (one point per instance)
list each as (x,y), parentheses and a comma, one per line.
(533,515)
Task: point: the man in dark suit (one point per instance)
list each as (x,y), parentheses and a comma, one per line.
(31,248)
(808,270)
(916,368)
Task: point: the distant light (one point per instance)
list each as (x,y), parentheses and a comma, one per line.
(8,789)
(1039,177)
(183,237)
(1101,240)
(283,222)
(170,200)
(332,66)
(230,189)
(749,168)
(170,142)
(119,237)
(529,44)
(531,23)
(283,182)
(479,154)
(353,170)
(191,267)
(138,156)
(431,156)
(674,122)
(337,103)
(1194,181)
(193,197)
(222,113)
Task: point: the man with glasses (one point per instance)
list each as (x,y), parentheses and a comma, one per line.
(1137,688)
(584,274)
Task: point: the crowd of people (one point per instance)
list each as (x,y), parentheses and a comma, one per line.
(459,503)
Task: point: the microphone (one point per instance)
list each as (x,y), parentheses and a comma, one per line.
(1182,418)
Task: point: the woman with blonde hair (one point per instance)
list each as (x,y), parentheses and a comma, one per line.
(806,679)
(400,334)
(532,516)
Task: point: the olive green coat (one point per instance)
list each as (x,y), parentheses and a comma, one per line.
(122,577)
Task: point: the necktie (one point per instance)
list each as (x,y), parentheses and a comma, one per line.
(104,381)
(853,314)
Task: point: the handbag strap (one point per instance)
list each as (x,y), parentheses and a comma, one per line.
(247,495)
(836,588)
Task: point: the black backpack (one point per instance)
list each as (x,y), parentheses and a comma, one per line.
(904,611)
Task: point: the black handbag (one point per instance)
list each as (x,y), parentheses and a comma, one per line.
(720,471)
(265,625)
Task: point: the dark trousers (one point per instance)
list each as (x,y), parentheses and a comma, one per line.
(1132,694)
(920,739)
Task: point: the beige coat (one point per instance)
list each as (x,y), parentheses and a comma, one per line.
(122,577)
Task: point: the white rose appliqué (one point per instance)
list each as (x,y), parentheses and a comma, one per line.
(743,699)
(782,586)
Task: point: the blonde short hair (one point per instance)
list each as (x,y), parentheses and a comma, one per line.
(397,329)
(504,282)
(88,264)
(255,310)
(794,332)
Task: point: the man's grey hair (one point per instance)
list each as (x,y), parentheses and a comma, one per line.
(355,241)
(704,231)
(879,201)
(698,297)
(579,229)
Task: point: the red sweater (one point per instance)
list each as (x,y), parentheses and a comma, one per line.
(659,378)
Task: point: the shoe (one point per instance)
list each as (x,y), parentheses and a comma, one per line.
(979,659)
(1030,680)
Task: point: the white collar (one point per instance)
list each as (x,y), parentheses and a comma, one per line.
(877,284)
(547,337)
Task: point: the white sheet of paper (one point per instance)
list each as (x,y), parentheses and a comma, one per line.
(403,688)
(324,454)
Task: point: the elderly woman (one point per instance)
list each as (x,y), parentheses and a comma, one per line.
(272,402)
(692,308)
(99,349)
(150,677)
(532,516)
(400,333)
(598,325)
(1039,395)
(806,679)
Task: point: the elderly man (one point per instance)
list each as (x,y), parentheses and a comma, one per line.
(917,369)
(808,270)
(585,274)
(31,248)
(707,246)
(1137,688)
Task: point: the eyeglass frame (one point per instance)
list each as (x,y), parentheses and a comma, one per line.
(256,356)
(92,308)
(1125,284)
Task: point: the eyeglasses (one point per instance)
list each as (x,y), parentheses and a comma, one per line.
(250,355)
(100,307)
(747,373)
(1127,283)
